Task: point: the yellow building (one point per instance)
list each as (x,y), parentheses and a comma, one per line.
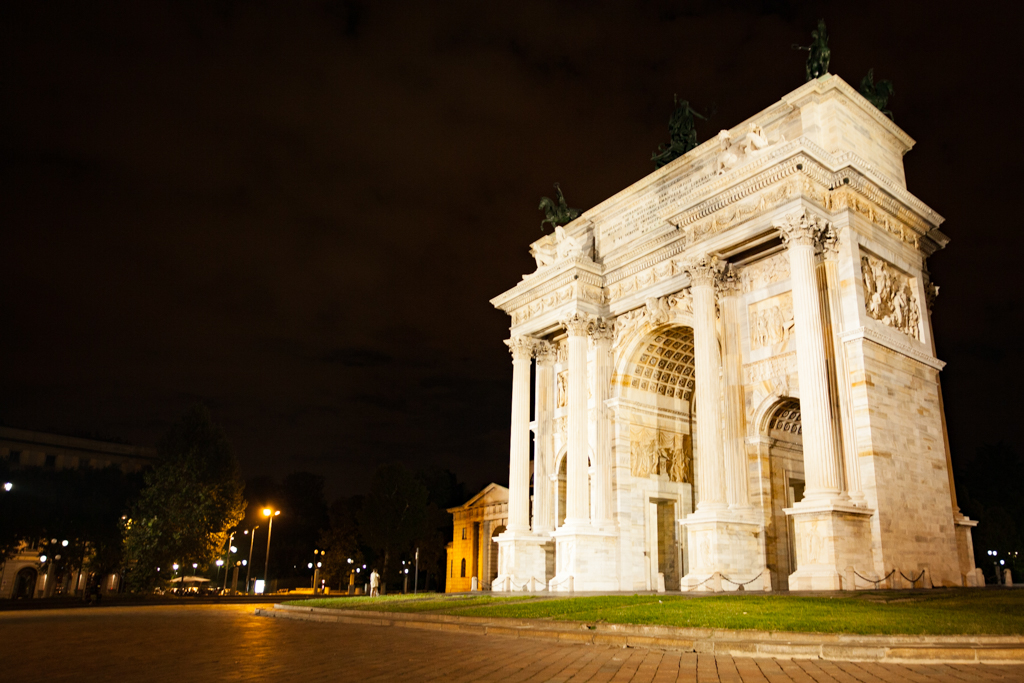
(473,551)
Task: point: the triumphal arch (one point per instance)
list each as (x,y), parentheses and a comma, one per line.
(736,381)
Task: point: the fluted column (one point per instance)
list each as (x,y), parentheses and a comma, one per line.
(704,271)
(847,442)
(602,334)
(801,231)
(736,489)
(577,495)
(544,446)
(519,441)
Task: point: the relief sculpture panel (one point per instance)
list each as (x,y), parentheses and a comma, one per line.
(655,451)
(771,321)
(889,298)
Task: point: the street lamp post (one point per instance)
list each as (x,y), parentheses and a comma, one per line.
(267,512)
(227,560)
(248,565)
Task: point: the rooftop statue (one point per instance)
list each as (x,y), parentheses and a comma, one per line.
(557,214)
(877,94)
(682,134)
(819,53)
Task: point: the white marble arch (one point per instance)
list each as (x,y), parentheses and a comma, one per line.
(773,237)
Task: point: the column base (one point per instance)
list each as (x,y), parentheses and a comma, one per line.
(724,553)
(830,537)
(586,559)
(525,562)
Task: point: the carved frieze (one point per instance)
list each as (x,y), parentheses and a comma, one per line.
(765,272)
(578,290)
(776,366)
(655,451)
(889,297)
(654,312)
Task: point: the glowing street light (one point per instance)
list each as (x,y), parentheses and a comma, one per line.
(268,512)
(8,486)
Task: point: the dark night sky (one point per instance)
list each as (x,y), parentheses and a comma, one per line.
(297,212)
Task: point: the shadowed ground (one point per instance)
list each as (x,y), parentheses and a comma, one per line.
(228,643)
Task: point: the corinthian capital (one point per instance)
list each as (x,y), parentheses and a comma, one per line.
(545,353)
(521,347)
(802,228)
(704,270)
(602,330)
(577,324)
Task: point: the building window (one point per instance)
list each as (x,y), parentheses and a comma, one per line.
(51,461)
(463,573)
(463,536)
(451,568)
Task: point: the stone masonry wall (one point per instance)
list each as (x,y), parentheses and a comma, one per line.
(903,464)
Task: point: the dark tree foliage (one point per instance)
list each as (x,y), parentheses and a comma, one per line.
(444,491)
(995,502)
(189,503)
(392,517)
(341,543)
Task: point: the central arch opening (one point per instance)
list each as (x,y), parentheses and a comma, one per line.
(784,429)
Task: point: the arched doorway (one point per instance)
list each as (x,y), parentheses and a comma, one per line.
(784,431)
(25,583)
(654,385)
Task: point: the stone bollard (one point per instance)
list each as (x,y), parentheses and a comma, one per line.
(767,582)
(979,578)
(926,579)
(1007,577)
(661,582)
(473,585)
(894,581)
(716,582)
(850,579)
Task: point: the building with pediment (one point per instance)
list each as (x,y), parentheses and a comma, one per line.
(473,552)
(735,378)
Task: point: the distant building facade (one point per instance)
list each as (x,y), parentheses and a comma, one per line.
(24,576)
(473,551)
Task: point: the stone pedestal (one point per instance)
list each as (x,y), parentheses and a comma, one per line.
(586,560)
(724,550)
(523,562)
(829,537)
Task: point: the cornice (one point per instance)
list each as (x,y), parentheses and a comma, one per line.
(893,344)
(549,279)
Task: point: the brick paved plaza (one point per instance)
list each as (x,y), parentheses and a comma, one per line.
(191,644)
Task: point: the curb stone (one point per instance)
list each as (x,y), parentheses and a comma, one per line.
(748,643)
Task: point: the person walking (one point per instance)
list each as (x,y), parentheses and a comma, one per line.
(374,583)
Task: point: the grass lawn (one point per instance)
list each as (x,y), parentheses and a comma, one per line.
(938,612)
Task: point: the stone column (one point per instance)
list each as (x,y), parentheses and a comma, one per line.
(602,334)
(544,445)
(801,231)
(704,271)
(519,442)
(847,443)
(737,489)
(577,495)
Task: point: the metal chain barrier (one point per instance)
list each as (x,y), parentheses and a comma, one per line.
(701,583)
(745,583)
(874,581)
(913,582)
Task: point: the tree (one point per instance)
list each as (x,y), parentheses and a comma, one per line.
(393,514)
(190,501)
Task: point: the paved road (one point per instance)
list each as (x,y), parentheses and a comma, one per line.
(194,644)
